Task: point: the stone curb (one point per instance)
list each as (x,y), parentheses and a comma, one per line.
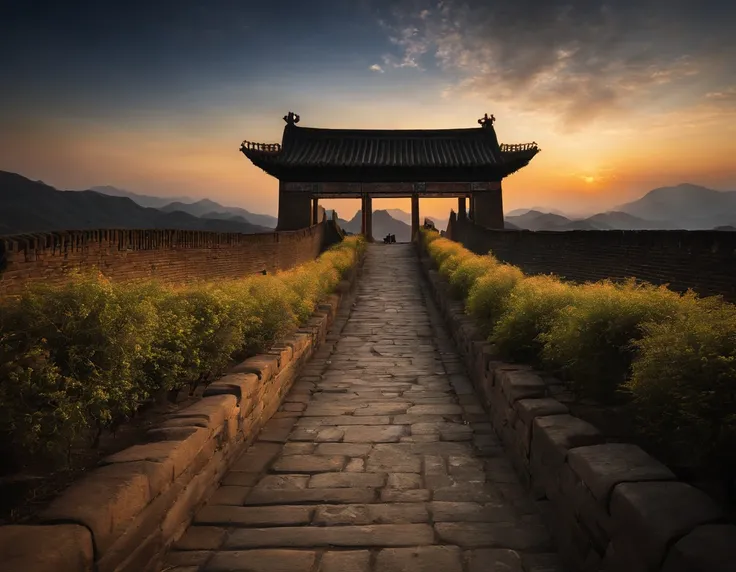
(610,506)
(124,515)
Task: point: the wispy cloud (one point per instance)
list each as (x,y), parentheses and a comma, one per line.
(376,68)
(577,60)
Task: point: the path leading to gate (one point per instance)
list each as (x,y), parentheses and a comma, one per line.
(380,459)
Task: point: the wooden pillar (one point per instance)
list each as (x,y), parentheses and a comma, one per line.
(369,219)
(414,216)
(461,212)
(488,210)
(315,211)
(364,215)
(471,214)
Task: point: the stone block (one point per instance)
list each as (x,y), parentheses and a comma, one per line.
(179,454)
(283,353)
(201,538)
(516,536)
(263,365)
(530,409)
(260,496)
(275,560)
(708,548)
(241,385)
(254,515)
(213,411)
(388,535)
(400,495)
(602,467)
(364,514)
(346,480)
(54,548)
(170,433)
(257,458)
(309,463)
(420,559)
(345,561)
(107,500)
(554,435)
(520,384)
(653,514)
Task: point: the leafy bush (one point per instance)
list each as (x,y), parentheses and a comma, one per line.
(590,342)
(82,357)
(490,294)
(673,355)
(683,383)
(532,307)
(441,249)
(467,272)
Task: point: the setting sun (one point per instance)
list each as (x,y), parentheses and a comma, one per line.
(589,179)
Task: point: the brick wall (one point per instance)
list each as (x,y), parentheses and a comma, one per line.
(702,260)
(170,255)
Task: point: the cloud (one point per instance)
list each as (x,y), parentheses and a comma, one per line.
(376,68)
(728,94)
(575,60)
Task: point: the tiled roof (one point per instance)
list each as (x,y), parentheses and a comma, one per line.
(348,148)
(378,152)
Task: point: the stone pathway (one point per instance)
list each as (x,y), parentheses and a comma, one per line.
(380,459)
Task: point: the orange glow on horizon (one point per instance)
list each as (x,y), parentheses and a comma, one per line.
(593,168)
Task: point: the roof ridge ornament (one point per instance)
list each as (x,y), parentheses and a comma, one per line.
(486,121)
(291,118)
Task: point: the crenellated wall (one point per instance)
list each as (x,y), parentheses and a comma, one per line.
(702,260)
(170,255)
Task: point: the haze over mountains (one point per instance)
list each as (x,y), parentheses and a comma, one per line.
(32,206)
(383,224)
(685,206)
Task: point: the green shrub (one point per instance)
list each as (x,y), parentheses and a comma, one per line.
(441,249)
(490,294)
(532,307)
(590,342)
(683,383)
(429,236)
(467,272)
(82,357)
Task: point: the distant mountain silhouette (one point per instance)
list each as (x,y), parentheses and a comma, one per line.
(405,217)
(28,206)
(614,220)
(536,220)
(685,206)
(210,209)
(618,220)
(518,212)
(383,224)
(143,200)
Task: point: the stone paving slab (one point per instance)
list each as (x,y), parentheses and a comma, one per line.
(381,458)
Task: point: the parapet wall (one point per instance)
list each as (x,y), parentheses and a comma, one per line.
(170,255)
(610,506)
(702,260)
(124,515)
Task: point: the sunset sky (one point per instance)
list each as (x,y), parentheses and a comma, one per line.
(156,96)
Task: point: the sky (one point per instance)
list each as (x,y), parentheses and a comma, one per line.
(155,96)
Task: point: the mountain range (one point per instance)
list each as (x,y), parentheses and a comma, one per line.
(204,208)
(685,206)
(28,206)
(383,224)
(32,206)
